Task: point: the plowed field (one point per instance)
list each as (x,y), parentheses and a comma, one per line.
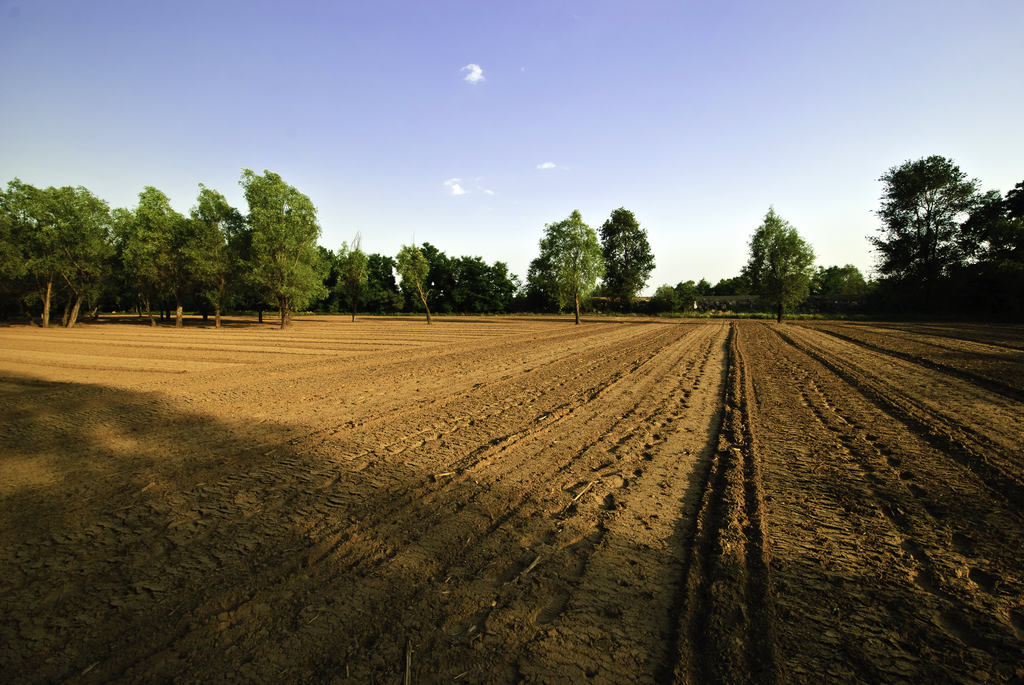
(507,500)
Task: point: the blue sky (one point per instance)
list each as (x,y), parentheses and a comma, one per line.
(694,115)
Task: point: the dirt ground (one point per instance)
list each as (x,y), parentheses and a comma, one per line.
(512,500)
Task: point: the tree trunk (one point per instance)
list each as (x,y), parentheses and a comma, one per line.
(576,299)
(46,303)
(260,311)
(283,309)
(73,319)
(178,323)
(779,318)
(216,305)
(423,299)
(67,312)
(354,305)
(149,312)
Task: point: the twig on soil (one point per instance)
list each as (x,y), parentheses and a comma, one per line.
(408,662)
(461,675)
(446,474)
(525,571)
(94,665)
(583,491)
(579,494)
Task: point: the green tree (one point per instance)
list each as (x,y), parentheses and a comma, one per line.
(687,294)
(150,240)
(83,226)
(780,264)
(572,260)
(665,299)
(628,260)
(737,285)
(34,227)
(214,265)
(923,205)
(353,269)
(382,295)
(284,241)
(838,280)
(413,269)
(12,256)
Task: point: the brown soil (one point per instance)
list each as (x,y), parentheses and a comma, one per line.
(506,500)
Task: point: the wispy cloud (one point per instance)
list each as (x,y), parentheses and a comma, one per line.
(474,74)
(547,165)
(455,186)
(487,191)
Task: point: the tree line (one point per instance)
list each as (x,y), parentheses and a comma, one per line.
(944,246)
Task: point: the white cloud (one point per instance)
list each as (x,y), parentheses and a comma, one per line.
(488,191)
(455,186)
(474,73)
(547,165)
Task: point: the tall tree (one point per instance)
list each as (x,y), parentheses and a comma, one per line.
(215,225)
(353,266)
(923,205)
(12,256)
(838,280)
(571,258)
(382,294)
(149,241)
(284,235)
(413,269)
(628,260)
(35,228)
(83,226)
(780,264)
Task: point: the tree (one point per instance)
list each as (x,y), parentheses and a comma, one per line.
(573,261)
(780,263)
(413,269)
(353,268)
(838,280)
(687,294)
(34,227)
(82,221)
(665,299)
(628,260)
(12,256)
(382,294)
(923,204)
(214,264)
(150,241)
(284,234)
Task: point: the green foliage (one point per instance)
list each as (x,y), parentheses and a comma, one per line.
(923,204)
(779,268)
(382,295)
(687,294)
(570,261)
(838,280)
(413,269)
(628,260)
(284,258)
(213,264)
(353,267)
(665,299)
(737,285)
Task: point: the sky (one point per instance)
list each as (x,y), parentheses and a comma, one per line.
(472,125)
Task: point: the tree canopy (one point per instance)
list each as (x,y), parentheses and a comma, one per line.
(628,260)
(923,205)
(284,226)
(780,264)
(570,261)
(413,269)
